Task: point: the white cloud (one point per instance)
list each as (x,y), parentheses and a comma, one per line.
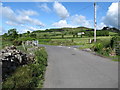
(101,25)
(24,30)
(2,30)
(30,28)
(44,7)
(60,10)
(80,20)
(27,12)
(61,23)
(11,23)
(22,18)
(111,18)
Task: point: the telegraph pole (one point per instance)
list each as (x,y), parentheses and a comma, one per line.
(95,22)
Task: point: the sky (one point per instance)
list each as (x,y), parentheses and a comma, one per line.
(31,16)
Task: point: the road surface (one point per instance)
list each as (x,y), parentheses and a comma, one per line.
(69,67)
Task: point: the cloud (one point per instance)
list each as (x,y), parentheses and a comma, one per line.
(11,23)
(24,31)
(19,17)
(80,20)
(30,27)
(111,18)
(60,10)
(27,12)
(2,30)
(101,25)
(44,7)
(61,23)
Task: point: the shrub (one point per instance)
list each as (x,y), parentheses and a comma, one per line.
(115,44)
(114,41)
(98,47)
(17,42)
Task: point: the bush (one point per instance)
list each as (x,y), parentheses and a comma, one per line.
(17,43)
(41,56)
(114,41)
(106,47)
(115,44)
(98,47)
(98,33)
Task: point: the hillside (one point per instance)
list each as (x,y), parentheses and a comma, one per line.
(62,29)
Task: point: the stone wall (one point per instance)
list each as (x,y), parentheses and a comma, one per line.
(11,58)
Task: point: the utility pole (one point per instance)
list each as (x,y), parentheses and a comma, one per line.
(95,22)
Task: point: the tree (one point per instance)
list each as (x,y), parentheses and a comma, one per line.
(5,35)
(28,33)
(13,34)
(105,28)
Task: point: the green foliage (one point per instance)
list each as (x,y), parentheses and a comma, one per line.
(98,33)
(17,42)
(98,46)
(89,33)
(102,33)
(115,44)
(29,76)
(32,35)
(13,34)
(106,47)
(114,41)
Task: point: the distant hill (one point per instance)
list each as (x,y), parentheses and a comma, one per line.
(64,29)
(111,29)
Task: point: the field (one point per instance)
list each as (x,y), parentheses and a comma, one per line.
(66,37)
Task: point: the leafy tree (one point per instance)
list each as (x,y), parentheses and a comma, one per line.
(12,34)
(105,28)
(5,35)
(20,35)
(28,33)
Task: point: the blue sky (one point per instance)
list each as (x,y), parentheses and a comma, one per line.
(29,16)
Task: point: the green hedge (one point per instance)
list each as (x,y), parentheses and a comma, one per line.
(105,47)
(44,40)
(98,33)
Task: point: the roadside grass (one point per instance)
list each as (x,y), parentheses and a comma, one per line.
(117,60)
(30,75)
(86,46)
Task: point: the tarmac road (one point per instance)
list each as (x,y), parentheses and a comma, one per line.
(72,68)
